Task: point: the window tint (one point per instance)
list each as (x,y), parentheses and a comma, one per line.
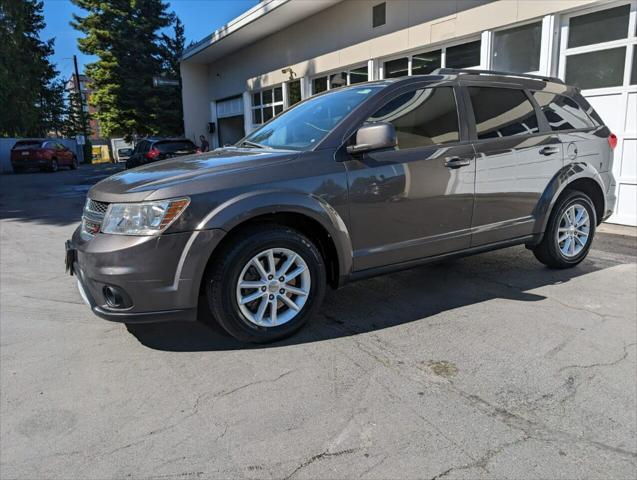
(396,68)
(422,117)
(168,147)
(424,63)
(598,27)
(26,144)
(562,113)
(518,49)
(600,69)
(463,56)
(502,112)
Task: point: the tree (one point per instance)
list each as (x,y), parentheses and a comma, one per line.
(124,34)
(28,90)
(172,117)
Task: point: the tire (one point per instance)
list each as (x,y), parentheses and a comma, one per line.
(54,166)
(235,262)
(74,163)
(560,254)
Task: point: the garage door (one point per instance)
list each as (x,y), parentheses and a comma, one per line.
(598,55)
(230,120)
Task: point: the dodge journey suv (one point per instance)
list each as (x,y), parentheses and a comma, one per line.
(355,182)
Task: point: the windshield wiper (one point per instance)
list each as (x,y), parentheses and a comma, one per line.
(248,143)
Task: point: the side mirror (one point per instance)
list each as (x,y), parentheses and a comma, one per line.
(374,136)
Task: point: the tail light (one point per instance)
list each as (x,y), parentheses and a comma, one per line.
(40,153)
(612,141)
(198,150)
(152,154)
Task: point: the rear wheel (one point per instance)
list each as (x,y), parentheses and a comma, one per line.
(53,166)
(569,233)
(267,284)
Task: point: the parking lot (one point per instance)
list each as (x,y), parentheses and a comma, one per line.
(484,367)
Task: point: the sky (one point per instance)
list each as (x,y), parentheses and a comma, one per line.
(200,18)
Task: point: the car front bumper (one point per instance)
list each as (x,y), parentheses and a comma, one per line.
(158,277)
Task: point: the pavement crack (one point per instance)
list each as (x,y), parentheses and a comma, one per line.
(251,384)
(320,456)
(601,364)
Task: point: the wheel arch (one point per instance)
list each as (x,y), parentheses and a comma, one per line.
(312,216)
(576,176)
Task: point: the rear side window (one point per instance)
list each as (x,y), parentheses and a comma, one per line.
(166,147)
(502,112)
(24,145)
(563,113)
(423,117)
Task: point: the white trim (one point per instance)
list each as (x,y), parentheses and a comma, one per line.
(346,70)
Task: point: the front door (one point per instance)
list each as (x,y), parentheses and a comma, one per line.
(416,200)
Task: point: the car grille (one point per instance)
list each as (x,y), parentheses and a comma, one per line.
(93,216)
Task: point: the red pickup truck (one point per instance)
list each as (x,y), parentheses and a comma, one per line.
(42,154)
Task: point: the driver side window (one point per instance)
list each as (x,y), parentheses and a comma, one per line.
(422,117)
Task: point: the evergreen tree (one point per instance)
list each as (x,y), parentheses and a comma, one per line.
(172,118)
(124,34)
(27,86)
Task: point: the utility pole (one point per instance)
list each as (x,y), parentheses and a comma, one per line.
(81,98)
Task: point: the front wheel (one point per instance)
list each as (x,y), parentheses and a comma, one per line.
(74,163)
(569,232)
(267,284)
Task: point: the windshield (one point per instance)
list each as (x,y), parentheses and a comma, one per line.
(303,126)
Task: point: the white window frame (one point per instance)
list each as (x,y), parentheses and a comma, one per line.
(347,70)
(432,48)
(545,33)
(629,41)
(271,105)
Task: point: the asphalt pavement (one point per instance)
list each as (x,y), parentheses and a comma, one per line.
(491,366)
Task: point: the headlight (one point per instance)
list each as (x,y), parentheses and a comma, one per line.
(145,218)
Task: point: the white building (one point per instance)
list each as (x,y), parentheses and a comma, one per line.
(282,51)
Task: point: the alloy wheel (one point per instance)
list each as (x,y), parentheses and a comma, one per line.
(273,287)
(573,231)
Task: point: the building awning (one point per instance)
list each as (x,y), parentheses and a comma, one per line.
(265,18)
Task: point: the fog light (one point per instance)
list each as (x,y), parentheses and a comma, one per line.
(113,297)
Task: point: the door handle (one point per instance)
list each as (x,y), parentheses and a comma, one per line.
(549,151)
(457,162)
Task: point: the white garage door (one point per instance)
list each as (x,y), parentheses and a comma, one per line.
(598,55)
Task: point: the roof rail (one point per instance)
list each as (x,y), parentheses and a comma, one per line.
(469,71)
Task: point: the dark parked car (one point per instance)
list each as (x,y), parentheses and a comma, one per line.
(153,149)
(42,154)
(359,181)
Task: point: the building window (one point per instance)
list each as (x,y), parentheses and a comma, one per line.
(294,92)
(463,56)
(518,49)
(594,48)
(340,79)
(598,27)
(422,117)
(266,104)
(502,112)
(466,55)
(378,15)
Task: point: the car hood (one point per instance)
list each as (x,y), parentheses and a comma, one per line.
(150,180)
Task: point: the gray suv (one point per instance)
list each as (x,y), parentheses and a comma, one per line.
(359,181)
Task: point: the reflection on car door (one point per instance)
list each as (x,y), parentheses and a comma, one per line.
(416,200)
(515,161)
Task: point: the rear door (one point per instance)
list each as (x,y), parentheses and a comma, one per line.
(516,157)
(416,200)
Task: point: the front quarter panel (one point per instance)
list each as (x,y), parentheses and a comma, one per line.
(314,185)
